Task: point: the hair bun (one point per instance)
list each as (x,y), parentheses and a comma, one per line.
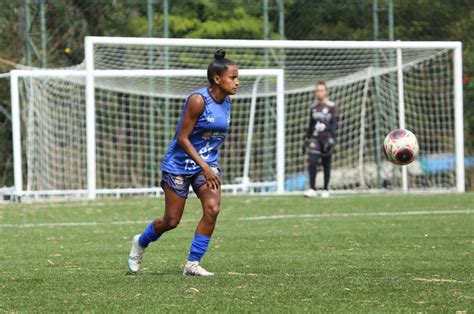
(219,54)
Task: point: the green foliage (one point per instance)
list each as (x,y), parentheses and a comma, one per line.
(203,19)
(244,28)
(329,20)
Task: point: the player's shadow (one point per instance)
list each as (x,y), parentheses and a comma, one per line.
(166,272)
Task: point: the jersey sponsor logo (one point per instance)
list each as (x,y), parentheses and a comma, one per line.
(320,127)
(219,135)
(213,135)
(205,152)
(322,116)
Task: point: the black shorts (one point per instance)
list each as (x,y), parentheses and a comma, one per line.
(320,146)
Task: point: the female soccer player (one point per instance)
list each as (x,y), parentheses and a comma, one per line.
(192,160)
(320,139)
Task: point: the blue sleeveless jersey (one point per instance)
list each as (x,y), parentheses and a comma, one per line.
(208,134)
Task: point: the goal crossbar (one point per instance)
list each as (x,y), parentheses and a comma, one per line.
(242,43)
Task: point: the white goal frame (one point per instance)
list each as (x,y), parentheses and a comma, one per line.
(456,46)
(90,73)
(91,127)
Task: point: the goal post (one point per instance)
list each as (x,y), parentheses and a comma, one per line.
(90,125)
(458,113)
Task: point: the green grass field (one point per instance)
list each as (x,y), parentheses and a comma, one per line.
(344,254)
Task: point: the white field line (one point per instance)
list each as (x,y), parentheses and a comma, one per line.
(254,218)
(439,280)
(73,224)
(370,214)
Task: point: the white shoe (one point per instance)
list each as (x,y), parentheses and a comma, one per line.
(194,269)
(325,194)
(310,193)
(136,255)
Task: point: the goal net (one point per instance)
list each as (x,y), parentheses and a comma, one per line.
(136,100)
(134,119)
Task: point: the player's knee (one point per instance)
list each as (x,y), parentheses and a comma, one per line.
(213,210)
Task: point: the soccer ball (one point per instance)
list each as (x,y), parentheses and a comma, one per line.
(400,147)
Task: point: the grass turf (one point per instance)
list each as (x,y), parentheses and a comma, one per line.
(412,263)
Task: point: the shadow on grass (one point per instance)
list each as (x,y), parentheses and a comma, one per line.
(170,272)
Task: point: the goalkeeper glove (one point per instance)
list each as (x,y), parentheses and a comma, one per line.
(328,145)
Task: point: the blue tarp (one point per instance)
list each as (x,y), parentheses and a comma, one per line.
(430,165)
(442,163)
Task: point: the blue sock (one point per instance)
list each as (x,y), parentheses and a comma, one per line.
(198,247)
(149,235)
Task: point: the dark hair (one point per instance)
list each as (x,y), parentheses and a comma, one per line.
(322,83)
(218,65)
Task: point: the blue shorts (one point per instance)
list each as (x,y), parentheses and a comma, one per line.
(180,183)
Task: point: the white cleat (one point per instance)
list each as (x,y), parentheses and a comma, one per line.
(136,255)
(310,193)
(194,269)
(325,194)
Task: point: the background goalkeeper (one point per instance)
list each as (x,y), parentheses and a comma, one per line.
(320,138)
